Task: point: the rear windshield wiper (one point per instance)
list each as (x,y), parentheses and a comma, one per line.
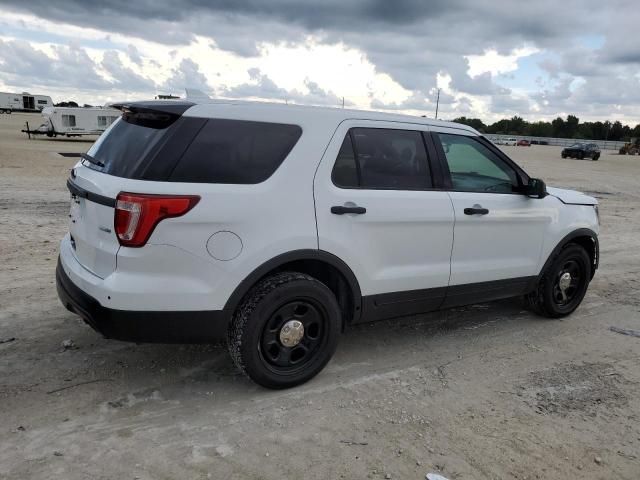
(90,159)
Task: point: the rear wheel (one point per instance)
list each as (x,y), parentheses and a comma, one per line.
(563,285)
(580,155)
(285,331)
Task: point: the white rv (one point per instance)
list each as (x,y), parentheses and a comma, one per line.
(23,102)
(76,121)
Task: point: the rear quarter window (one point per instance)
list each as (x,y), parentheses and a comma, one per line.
(236,151)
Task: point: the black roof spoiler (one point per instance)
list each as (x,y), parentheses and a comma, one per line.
(154,106)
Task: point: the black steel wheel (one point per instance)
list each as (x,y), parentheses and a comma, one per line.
(567,282)
(286,330)
(563,284)
(293,335)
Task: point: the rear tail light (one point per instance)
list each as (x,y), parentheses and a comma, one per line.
(137,214)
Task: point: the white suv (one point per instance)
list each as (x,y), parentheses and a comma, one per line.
(276,226)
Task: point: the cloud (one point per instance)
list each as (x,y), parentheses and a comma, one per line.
(124,77)
(186,75)
(476,45)
(262,87)
(67,66)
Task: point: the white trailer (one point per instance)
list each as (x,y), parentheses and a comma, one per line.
(23,102)
(75,121)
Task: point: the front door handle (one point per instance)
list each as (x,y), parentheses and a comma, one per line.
(341,210)
(476,210)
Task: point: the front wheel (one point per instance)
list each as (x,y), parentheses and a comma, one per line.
(285,331)
(563,284)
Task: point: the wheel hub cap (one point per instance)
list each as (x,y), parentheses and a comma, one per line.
(564,282)
(291,333)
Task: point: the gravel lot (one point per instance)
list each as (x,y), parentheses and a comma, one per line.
(482,392)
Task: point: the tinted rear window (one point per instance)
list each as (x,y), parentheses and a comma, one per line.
(236,151)
(142,146)
(166,147)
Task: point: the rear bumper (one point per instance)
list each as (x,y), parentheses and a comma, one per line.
(141,326)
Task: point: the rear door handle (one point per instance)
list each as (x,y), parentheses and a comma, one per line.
(476,210)
(341,210)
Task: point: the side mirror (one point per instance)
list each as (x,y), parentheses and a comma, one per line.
(536,188)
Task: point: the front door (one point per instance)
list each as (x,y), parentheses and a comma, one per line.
(499,232)
(376,209)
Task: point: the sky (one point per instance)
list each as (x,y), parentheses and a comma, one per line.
(490,59)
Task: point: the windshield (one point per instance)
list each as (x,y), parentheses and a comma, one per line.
(576,145)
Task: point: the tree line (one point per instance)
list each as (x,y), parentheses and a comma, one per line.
(558,128)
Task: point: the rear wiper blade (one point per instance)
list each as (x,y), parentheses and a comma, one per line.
(90,159)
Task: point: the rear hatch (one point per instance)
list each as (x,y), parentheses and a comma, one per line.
(144,144)
(93,240)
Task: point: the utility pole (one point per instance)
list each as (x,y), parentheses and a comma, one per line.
(438,103)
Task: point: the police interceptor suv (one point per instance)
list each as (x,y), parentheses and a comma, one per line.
(275,226)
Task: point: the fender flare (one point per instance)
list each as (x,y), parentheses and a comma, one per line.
(580,232)
(296,255)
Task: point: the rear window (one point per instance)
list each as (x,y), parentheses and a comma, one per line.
(129,147)
(236,151)
(197,150)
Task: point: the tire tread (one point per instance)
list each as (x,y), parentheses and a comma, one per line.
(248,305)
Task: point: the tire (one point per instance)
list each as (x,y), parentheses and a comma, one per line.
(548,299)
(596,157)
(563,156)
(580,155)
(255,335)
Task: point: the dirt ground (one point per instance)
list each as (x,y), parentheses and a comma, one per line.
(483,392)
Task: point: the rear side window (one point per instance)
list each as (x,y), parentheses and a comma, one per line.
(236,151)
(377,158)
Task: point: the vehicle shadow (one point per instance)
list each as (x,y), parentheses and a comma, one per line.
(379,346)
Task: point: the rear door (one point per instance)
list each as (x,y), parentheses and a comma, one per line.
(377,210)
(499,232)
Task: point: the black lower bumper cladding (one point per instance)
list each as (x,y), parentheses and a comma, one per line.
(141,326)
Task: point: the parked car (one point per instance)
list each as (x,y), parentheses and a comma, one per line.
(278,226)
(582,150)
(507,141)
(524,143)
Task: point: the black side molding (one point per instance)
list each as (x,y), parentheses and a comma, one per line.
(80,192)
